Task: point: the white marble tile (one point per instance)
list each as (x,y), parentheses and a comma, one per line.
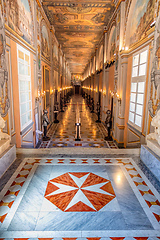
(146,180)
(141,200)
(31,160)
(113,205)
(155,209)
(7,221)
(7,158)
(150,159)
(149,197)
(3,210)
(137,179)
(47,206)
(23,221)
(18,234)
(58,234)
(120,233)
(79,234)
(8,198)
(143,188)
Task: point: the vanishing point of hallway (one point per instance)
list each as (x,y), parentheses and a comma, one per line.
(92,134)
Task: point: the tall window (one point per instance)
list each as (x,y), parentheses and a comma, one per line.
(24,77)
(138,87)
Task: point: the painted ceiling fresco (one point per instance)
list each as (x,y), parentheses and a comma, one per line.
(78,27)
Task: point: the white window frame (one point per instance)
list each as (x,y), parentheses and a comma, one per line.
(137,81)
(27,79)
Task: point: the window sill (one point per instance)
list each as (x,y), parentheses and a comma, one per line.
(134,128)
(26,128)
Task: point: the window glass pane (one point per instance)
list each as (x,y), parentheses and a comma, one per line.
(139,109)
(140,98)
(28,106)
(23,120)
(133,87)
(22,85)
(27,59)
(21,68)
(20,54)
(135,60)
(22,97)
(131,117)
(133,97)
(142,69)
(28,96)
(135,72)
(138,87)
(23,108)
(138,120)
(141,87)
(28,116)
(27,70)
(143,57)
(28,86)
(132,107)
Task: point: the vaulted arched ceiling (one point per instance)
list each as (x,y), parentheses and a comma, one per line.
(78,27)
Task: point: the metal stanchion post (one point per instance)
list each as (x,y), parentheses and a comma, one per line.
(77,124)
(78,138)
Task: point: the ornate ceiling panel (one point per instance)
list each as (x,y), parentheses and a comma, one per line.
(78,27)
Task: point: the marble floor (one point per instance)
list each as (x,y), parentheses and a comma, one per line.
(79,190)
(63,134)
(78,197)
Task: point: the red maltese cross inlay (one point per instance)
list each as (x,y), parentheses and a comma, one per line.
(79,192)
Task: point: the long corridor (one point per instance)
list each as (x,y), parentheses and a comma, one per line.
(91,133)
(79,193)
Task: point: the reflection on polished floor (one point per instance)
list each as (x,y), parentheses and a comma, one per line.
(80,193)
(91,133)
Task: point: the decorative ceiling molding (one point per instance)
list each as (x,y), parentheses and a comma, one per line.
(84,5)
(79,26)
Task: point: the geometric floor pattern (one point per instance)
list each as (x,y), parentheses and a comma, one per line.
(89,238)
(63,134)
(79,192)
(79,198)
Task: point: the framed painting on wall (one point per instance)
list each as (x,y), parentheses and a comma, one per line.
(45,42)
(46,85)
(20,18)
